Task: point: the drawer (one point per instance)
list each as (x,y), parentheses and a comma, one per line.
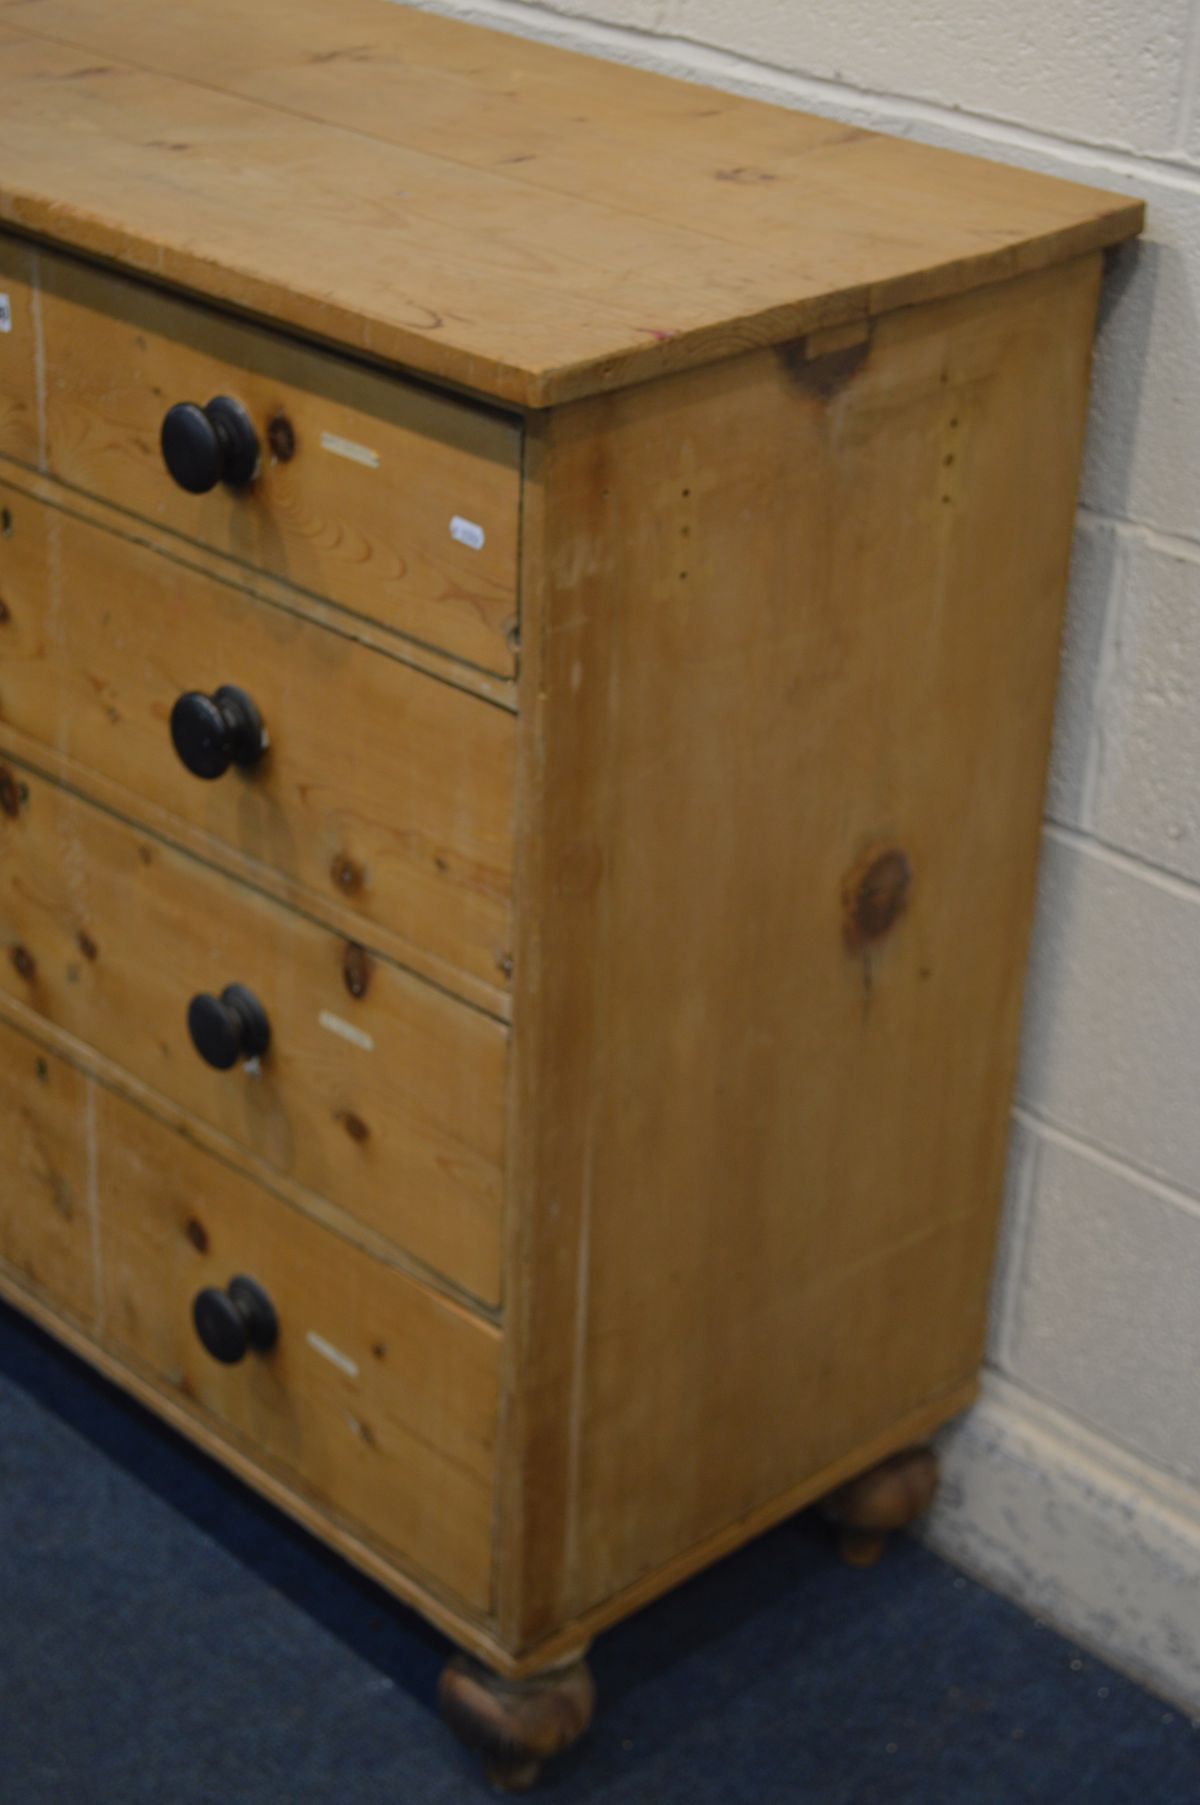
(378,1396)
(383,789)
(46,1216)
(378,1092)
(19,424)
(394,501)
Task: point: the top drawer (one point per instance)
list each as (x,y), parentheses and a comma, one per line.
(396,502)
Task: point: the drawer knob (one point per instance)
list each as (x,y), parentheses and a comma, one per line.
(210,733)
(230,1027)
(231,1322)
(204,446)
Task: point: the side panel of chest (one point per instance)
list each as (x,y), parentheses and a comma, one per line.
(799,622)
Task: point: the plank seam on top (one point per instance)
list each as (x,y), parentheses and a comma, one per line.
(231,91)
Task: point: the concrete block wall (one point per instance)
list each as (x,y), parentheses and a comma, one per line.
(1075,1484)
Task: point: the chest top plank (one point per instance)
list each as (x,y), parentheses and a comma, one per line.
(524,222)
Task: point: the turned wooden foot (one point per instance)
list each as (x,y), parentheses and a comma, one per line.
(888,1497)
(516,1724)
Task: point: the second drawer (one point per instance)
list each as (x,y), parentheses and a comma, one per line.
(383,788)
(377,1091)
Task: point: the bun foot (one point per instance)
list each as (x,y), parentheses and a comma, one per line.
(516,1725)
(888,1497)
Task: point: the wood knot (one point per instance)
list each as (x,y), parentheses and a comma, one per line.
(354,1125)
(197,1234)
(744,175)
(87,945)
(356,969)
(874,896)
(281,437)
(24,963)
(10,793)
(347,875)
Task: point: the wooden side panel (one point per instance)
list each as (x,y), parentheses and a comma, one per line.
(382,791)
(379,1396)
(378,1091)
(790,695)
(362,474)
(46,1201)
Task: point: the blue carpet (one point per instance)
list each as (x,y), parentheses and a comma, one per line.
(170,1640)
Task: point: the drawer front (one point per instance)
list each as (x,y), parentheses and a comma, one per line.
(19,426)
(46,1212)
(378,1091)
(383,789)
(378,1396)
(394,501)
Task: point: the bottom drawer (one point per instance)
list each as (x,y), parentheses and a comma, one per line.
(378,1397)
(46,1202)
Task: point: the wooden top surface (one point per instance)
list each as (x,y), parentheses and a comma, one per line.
(518,220)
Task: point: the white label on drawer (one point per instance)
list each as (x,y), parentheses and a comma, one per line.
(346,448)
(356,1036)
(467,532)
(5,314)
(334,1355)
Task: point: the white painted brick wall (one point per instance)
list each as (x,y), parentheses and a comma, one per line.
(1096,1307)
(1107,1285)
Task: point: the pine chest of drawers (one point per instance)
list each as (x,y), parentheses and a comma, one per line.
(529,596)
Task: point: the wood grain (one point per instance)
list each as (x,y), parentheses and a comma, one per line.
(382,790)
(379,1397)
(367,524)
(378,1092)
(514,219)
(777,838)
(285,1491)
(20,402)
(785,526)
(490,687)
(281,1487)
(46,1217)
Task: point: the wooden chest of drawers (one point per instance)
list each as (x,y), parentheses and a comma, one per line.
(528,607)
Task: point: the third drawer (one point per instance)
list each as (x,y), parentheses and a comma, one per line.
(377,1092)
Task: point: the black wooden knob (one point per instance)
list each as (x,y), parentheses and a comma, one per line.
(210,733)
(231,1322)
(230,1027)
(204,446)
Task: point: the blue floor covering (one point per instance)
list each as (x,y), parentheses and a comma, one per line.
(168,1639)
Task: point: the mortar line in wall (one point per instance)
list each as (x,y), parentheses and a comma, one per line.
(690,59)
(1042,1128)
(1160,539)
(1161,877)
(1017,1263)
(1185,106)
(1107,665)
